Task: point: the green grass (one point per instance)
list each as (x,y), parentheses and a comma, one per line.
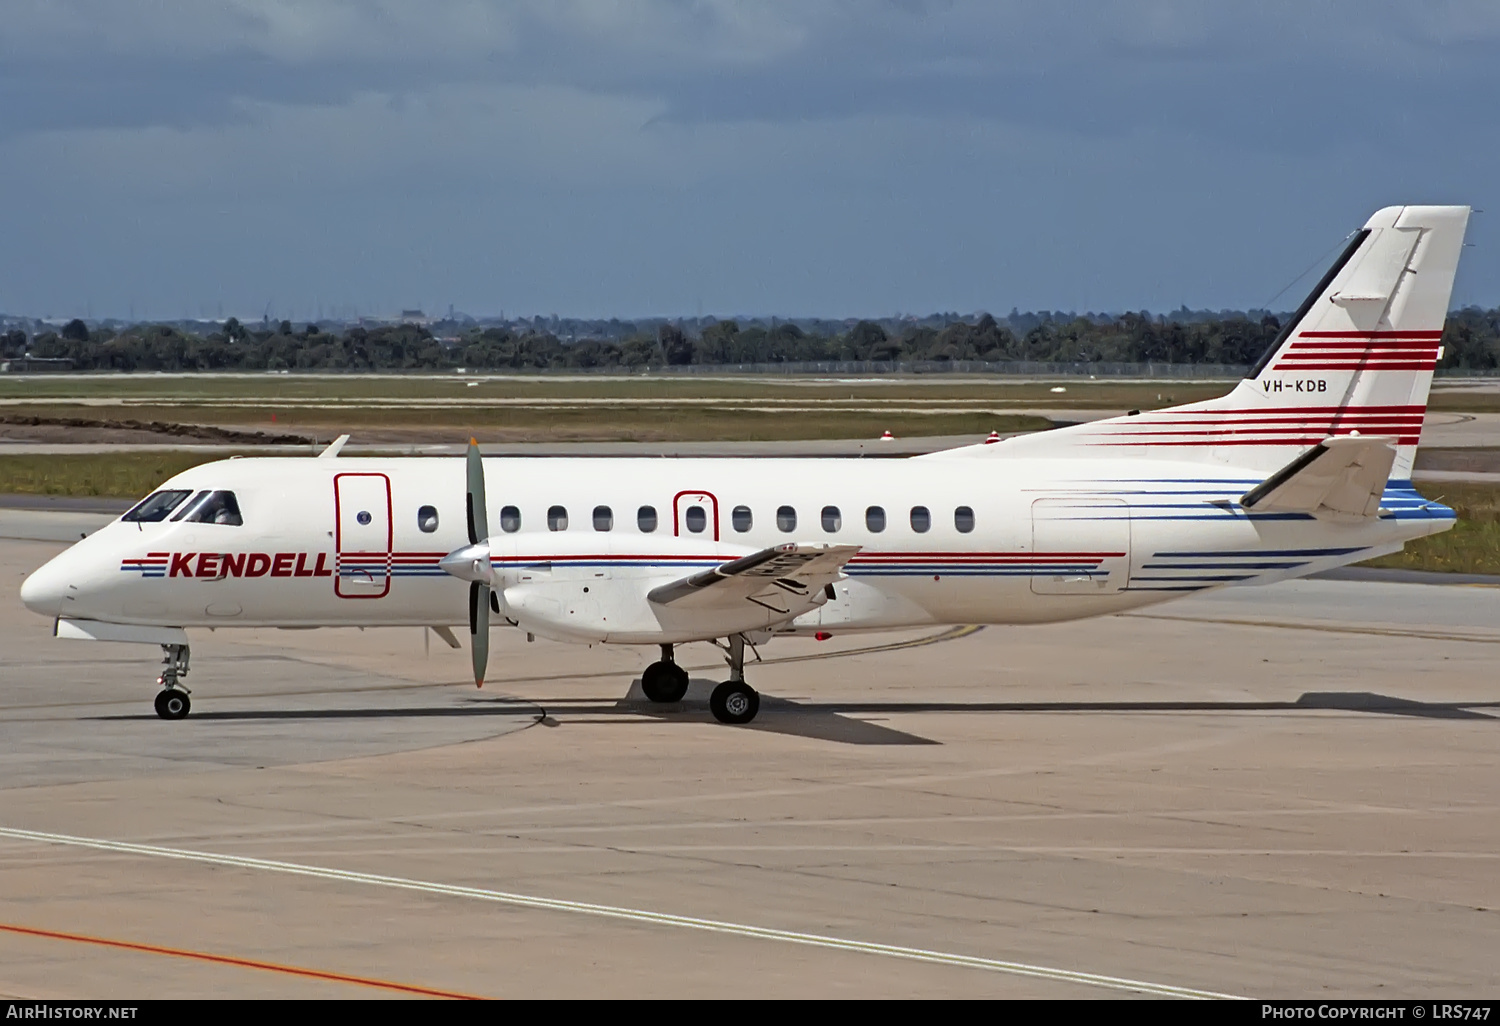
(125,475)
(565,423)
(1463,400)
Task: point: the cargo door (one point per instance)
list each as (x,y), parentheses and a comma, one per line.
(1079,546)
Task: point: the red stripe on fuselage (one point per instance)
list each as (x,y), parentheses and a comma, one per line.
(1371,334)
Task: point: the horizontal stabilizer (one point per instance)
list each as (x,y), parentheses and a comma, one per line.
(784,578)
(1340,478)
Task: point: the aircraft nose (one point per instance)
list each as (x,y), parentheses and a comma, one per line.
(43,591)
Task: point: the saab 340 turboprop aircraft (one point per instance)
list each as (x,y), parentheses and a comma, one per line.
(1305,465)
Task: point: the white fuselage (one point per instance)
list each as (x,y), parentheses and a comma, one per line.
(338,542)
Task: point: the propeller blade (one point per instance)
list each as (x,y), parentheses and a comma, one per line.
(479,518)
(479,629)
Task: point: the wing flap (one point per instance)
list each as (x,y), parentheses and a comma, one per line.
(786,579)
(1340,478)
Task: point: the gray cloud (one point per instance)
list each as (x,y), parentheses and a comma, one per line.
(817,156)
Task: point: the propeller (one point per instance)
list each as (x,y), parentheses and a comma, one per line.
(472,563)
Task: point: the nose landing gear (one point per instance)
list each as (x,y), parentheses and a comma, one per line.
(172,701)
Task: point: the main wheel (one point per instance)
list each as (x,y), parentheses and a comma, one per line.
(172,704)
(664,682)
(734,701)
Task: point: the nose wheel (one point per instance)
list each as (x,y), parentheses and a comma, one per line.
(172,702)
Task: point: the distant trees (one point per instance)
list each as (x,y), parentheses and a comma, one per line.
(676,348)
(1471,341)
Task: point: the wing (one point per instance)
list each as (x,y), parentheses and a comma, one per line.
(1340,478)
(784,579)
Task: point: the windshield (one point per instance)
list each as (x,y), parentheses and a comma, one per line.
(156,506)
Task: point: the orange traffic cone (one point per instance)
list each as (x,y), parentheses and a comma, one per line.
(993,438)
(887,437)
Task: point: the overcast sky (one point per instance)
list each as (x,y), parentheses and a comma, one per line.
(649,157)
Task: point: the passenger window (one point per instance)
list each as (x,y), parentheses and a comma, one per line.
(696,519)
(219,508)
(963,519)
(786,518)
(741,519)
(832,519)
(427,519)
(510,519)
(875,519)
(155,507)
(557,518)
(921,519)
(604,518)
(645,519)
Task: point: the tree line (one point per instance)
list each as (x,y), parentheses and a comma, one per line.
(1471,340)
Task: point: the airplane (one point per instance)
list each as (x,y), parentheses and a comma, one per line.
(1303,466)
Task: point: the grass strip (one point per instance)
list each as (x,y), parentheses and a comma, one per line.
(124,475)
(627,424)
(1472,546)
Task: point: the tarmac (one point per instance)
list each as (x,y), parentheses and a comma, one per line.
(1287,791)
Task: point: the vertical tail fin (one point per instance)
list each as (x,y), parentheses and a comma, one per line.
(1355,359)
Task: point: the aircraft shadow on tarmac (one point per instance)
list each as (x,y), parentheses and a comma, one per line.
(1323,701)
(490,707)
(838,721)
(835,721)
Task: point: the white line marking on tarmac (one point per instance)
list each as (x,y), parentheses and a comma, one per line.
(618,912)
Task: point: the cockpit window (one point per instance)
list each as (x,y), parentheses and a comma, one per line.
(216,508)
(190,505)
(156,506)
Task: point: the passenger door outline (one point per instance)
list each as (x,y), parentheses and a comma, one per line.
(362,571)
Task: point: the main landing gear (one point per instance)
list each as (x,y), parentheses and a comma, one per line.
(734,701)
(664,680)
(172,701)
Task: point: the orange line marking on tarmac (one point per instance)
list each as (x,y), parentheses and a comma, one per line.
(244,963)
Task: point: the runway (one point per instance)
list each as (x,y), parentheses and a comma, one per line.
(1288,791)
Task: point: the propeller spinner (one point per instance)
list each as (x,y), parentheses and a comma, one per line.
(472,563)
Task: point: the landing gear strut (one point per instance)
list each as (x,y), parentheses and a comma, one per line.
(664,681)
(734,701)
(172,701)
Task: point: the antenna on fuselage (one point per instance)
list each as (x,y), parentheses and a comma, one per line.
(334,448)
